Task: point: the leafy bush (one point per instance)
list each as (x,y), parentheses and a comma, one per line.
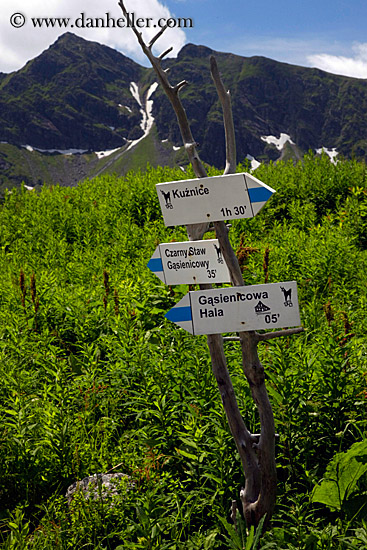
(94,379)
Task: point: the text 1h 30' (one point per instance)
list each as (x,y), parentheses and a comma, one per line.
(238,211)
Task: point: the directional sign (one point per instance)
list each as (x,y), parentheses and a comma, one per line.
(191,262)
(238,309)
(232,196)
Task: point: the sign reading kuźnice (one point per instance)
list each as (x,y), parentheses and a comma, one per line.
(216,198)
(190,262)
(237,309)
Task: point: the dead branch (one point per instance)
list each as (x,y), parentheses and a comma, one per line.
(166,52)
(258,496)
(241,435)
(263,503)
(268,335)
(155,38)
(238,429)
(179,86)
(225,99)
(257,453)
(279,333)
(195,232)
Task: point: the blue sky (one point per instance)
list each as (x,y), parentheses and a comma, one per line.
(291,31)
(327,34)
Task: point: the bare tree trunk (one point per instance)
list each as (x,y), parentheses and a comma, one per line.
(258,497)
(257,453)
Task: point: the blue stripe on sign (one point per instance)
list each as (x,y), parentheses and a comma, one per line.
(155,264)
(259,194)
(179,314)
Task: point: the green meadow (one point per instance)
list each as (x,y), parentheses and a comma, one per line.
(94,379)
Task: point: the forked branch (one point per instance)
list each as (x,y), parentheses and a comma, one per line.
(257,453)
(258,496)
(195,232)
(172,93)
(225,99)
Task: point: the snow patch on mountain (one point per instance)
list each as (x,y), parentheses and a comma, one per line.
(60,151)
(103,154)
(278,142)
(254,163)
(146,111)
(332,153)
(134,90)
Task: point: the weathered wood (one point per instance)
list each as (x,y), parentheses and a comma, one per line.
(238,429)
(257,452)
(259,494)
(255,509)
(225,99)
(196,231)
(241,435)
(279,333)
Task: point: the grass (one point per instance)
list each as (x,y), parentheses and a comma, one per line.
(95,379)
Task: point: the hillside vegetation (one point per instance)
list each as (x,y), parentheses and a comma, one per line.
(85,96)
(95,380)
(34,169)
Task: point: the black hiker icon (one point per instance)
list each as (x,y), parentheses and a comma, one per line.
(287,296)
(219,254)
(167,198)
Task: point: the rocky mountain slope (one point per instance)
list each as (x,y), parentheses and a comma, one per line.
(75,95)
(314,108)
(87,102)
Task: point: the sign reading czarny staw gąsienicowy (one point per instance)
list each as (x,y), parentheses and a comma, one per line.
(217,198)
(237,309)
(190,262)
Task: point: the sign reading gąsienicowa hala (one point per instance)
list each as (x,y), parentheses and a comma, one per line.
(190,262)
(217,198)
(238,309)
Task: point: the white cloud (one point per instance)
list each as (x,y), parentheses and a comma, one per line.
(18,45)
(284,49)
(355,66)
(341,57)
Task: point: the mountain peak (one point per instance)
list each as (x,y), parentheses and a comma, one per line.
(69,37)
(69,97)
(71,44)
(79,94)
(194,51)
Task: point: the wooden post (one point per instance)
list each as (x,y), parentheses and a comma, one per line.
(257,453)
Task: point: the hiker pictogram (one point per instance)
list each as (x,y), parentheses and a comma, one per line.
(167,198)
(219,254)
(287,296)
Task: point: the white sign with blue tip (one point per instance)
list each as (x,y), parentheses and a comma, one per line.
(189,262)
(238,309)
(218,198)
